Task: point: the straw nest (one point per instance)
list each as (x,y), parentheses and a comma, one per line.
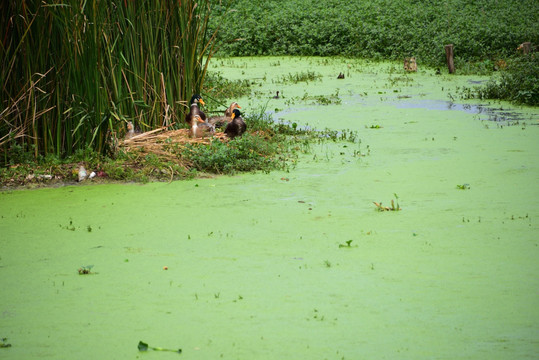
(165,143)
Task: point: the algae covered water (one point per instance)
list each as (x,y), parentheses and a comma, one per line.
(299,264)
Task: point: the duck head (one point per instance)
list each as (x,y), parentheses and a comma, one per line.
(197,119)
(195,99)
(236,113)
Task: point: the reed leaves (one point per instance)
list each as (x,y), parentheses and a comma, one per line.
(74,72)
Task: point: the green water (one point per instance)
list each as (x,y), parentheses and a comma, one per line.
(255,270)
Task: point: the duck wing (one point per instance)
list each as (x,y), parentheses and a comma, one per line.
(219,121)
(235,128)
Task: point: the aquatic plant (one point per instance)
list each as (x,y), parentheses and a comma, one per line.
(302,76)
(380,207)
(85,270)
(73,74)
(4,344)
(378,29)
(518,83)
(142,346)
(348,244)
(332,99)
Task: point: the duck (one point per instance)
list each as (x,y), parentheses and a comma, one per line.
(200,128)
(340,76)
(130,130)
(237,126)
(276,96)
(194,109)
(220,121)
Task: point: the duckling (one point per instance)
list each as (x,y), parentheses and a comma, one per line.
(276,96)
(130,130)
(220,121)
(341,76)
(200,128)
(195,110)
(237,126)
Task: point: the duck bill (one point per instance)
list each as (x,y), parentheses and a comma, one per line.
(201,101)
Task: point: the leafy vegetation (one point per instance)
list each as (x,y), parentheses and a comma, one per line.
(519,82)
(379,29)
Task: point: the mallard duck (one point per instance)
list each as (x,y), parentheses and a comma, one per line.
(237,126)
(200,128)
(230,109)
(220,121)
(194,109)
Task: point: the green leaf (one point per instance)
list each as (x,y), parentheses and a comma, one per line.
(142,346)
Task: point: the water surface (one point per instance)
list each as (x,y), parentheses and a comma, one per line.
(255,266)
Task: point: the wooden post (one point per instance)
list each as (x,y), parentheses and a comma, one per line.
(449,58)
(526,48)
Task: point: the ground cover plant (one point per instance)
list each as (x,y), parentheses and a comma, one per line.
(380,29)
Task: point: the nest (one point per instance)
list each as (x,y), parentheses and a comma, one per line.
(165,143)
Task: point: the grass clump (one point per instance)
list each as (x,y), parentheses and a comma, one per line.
(518,83)
(303,76)
(251,152)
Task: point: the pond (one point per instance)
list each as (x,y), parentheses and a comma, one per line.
(298,264)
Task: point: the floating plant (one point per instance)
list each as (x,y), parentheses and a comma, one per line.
(142,346)
(3,344)
(393,207)
(348,244)
(85,270)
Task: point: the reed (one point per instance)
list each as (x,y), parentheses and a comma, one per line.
(74,72)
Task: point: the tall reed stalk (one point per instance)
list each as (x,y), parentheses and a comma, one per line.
(74,72)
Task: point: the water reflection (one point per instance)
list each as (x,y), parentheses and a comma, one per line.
(485,112)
